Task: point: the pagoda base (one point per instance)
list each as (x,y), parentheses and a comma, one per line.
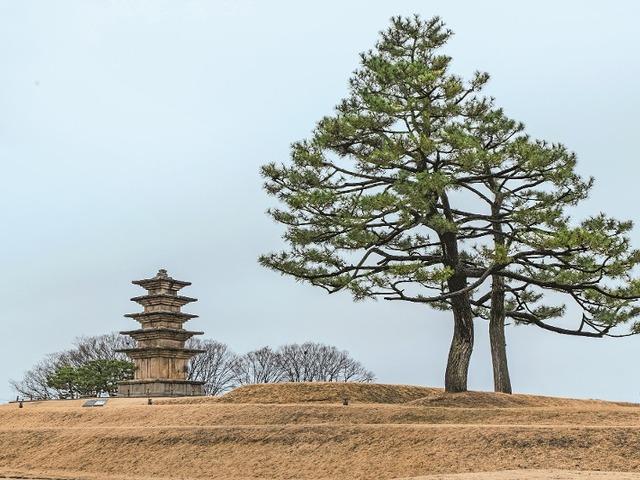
(160,388)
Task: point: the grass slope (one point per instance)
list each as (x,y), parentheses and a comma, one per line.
(319,392)
(302,431)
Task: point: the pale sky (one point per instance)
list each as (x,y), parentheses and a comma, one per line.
(132,132)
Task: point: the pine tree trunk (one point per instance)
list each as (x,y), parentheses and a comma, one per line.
(461,346)
(455,379)
(501,378)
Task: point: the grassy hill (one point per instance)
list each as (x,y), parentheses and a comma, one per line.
(302,431)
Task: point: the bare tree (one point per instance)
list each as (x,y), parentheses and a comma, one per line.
(215,367)
(218,367)
(353,371)
(100,347)
(296,362)
(35,382)
(258,366)
(315,362)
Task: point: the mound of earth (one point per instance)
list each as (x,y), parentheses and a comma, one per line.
(318,392)
(500,400)
(336,392)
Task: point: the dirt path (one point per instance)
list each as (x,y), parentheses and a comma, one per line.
(503,475)
(533,475)
(363,426)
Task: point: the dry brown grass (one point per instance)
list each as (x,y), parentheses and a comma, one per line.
(502,400)
(303,432)
(319,392)
(533,475)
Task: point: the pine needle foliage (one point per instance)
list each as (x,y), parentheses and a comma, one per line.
(419,188)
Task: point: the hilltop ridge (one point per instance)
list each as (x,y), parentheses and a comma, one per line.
(336,392)
(303,431)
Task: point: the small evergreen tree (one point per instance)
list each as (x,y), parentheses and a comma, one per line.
(64,381)
(91,379)
(103,376)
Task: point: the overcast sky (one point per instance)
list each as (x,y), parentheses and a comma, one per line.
(131,135)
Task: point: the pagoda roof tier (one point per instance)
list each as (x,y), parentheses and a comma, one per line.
(163,299)
(161,282)
(161,315)
(171,352)
(160,332)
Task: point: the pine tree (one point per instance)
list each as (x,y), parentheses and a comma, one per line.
(418,189)
(90,379)
(526,188)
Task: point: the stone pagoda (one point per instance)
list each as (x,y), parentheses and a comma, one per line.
(160,356)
